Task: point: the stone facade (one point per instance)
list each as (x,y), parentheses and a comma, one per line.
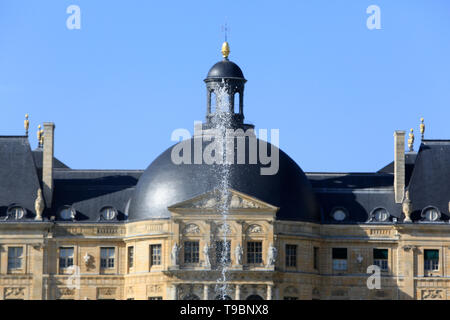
(310,277)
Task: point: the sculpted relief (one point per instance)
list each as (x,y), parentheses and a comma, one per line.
(191,228)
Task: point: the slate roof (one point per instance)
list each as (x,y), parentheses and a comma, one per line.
(410,159)
(430,180)
(18,176)
(88,191)
(358,193)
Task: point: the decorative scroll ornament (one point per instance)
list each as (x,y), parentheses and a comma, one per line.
(15,292)
(432,294)
(215,200)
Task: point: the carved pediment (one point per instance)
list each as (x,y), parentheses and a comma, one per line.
(231,200)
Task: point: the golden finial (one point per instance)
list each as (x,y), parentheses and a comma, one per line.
(411,141)
(40,136)
(422,127)
(26,124)
(225,50)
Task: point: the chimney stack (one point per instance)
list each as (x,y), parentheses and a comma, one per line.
(399,165)
(47,162)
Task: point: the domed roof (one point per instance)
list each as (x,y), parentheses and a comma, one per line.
(225,69)
(164,184)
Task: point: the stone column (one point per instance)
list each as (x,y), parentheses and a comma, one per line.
(269,291)
(205,291)
(238,292)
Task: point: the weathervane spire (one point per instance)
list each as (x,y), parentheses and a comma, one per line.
(225,46)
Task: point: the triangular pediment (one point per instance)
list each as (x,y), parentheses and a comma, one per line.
(215,201)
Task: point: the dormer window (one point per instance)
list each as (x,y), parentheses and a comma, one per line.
(16,212)
(431,214)
(380,215)
(339,214)
(67,213)
(108,213)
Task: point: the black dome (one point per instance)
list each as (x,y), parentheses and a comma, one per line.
(164,184)
(225,69)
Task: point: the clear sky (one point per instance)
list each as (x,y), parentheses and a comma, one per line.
(119,86)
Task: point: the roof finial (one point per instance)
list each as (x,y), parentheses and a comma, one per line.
(26,124)
(40,136)
(422,128)
(411,141)
(225,50)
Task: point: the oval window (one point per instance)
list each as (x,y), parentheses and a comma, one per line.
(339,215)
(67,213)
(109,213)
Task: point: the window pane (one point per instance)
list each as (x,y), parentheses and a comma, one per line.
(339,253)
(431,254)
(291,255)
(316,258)
(254,252)
(155,252)
(380,253)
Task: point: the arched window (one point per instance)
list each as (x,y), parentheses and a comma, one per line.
(213,101)
(236,102)
(16,212)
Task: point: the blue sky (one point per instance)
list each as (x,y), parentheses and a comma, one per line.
(119,86)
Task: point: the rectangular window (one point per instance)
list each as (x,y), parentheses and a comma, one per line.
(155,254)
(291,255)
(431,260)
(191,252)
(130,257)
(65,257)
(154,298)
(107,256)
(316,258)
(254,252)
(223,254)
(380,258)
(15,257)
(339,259)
